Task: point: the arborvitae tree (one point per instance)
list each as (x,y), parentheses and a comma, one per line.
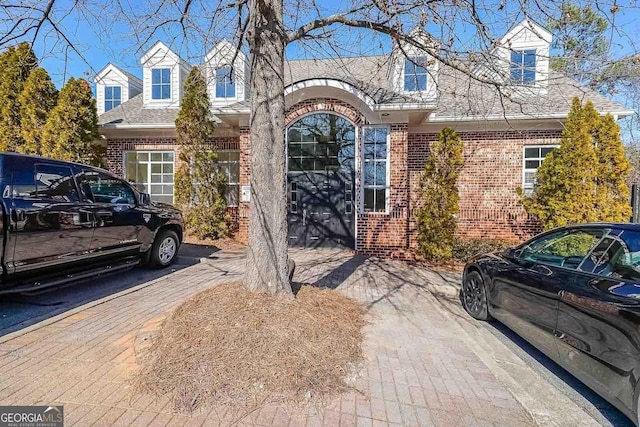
(583,180)
(436,218)
(36,102)
(16,64)
(613,173)
(200,188)
(71,130)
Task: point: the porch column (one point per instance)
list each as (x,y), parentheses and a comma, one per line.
(245,175)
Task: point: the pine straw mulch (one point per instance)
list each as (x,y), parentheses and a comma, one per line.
(226,243)
(230,346)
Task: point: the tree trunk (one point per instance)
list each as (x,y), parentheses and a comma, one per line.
(267,259)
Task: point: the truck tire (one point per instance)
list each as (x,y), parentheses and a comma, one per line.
(164,250)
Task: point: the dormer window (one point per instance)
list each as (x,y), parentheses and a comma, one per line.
(112,97)
(160,83)
(225,83)
(415,75)
(523,66)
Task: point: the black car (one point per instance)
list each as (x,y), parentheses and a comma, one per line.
(574,293)
(65,221)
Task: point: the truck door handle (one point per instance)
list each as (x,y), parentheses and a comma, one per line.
(104,214)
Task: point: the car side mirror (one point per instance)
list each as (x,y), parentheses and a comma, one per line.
(512,253)
(145,199)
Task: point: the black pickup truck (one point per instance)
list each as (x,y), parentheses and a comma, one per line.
(63,222)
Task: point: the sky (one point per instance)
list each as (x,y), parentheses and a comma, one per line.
(99,40)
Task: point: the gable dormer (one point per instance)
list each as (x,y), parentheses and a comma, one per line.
(115,86)
(523,55)
(227,78)
(414,71)
(163,74)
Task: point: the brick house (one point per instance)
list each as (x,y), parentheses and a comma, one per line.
(358,134)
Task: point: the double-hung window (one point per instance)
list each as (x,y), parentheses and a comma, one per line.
(375,156)
(531,161)
(112,97)
(151,172)
(415,74)
(523,66)
(229,166)
(225,83)
(160,83)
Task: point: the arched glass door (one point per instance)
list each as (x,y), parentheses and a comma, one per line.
(321,181)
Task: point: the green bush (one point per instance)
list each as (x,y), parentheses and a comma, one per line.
(584,179)
(436,217)
(465,249)
(199,185)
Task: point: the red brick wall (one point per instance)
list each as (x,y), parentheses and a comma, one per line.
(245,176)
(489,205)
(324,105)
(492,171)
(116,148)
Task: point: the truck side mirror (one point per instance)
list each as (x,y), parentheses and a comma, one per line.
(145,199)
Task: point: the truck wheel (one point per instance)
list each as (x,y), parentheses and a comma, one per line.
(164,250)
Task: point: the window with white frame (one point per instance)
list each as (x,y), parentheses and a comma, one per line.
(229,166)
(523,66)
(112,97)
(375,165)
(531,161)
(225,83)
(415,74)
(160,83)
(151,172)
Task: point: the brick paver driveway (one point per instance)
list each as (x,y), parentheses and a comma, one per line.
(418,372)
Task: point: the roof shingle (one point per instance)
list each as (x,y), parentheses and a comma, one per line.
(460,97)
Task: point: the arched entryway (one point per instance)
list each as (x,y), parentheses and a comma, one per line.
(321,181)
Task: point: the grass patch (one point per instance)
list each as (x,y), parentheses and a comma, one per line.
(230,346)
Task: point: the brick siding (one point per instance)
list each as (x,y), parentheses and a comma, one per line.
(492,172)
(245,178)
(324,105)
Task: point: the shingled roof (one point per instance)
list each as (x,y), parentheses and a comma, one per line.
(460,97)
(463,98)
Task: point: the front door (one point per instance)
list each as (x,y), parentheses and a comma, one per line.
(321,181)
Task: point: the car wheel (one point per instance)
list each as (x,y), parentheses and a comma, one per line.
(164,250)
(474,296)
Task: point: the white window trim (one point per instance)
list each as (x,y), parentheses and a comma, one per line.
(404,74)
(162,100)
(173,162)
(521,82)
(229,176)
(524,159)
(388,171)
(112,98)
(234,73)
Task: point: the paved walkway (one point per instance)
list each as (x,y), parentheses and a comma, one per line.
(418,372)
